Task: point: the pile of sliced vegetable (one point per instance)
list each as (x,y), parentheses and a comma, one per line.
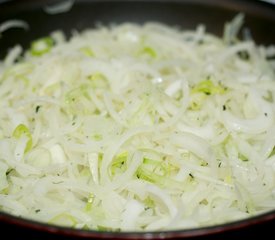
(138,127)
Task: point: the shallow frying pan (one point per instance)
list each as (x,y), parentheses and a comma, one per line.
(260,19)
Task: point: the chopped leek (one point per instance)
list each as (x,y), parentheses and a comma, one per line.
(208,87)
(64,219)
(149,51)
(87,51)
(41,46)
(23,130)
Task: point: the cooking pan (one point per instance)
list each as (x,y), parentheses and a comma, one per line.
(260,19)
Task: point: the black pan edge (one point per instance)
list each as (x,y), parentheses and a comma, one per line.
(256,11)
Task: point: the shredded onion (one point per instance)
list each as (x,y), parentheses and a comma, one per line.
(60,7)
(14,23)
(137,127)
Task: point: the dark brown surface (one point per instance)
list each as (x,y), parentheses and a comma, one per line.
(260,19)
(242,230)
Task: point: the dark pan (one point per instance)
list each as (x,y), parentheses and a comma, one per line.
(260,19)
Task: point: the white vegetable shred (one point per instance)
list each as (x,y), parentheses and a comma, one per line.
(14,23)
(138,128)
(60,7)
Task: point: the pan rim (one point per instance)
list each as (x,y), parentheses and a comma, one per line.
(229,226)
(167,234)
